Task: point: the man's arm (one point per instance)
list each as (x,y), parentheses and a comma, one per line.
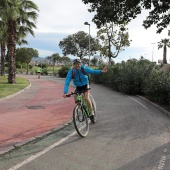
(67,82)
(91,71)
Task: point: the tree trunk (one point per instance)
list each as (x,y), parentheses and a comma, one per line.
(109,54)
(21,68)
(164,55)
(2,59)
(27,68)
(11,45)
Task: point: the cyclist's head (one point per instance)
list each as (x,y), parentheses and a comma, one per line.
(76,63)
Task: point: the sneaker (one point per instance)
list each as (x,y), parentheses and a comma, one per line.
(92,118)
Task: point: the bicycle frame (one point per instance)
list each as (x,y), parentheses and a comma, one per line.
(80,100)
(81,113)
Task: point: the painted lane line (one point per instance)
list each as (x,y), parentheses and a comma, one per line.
(31,158)
(165,150)
(162,162)
(137,102)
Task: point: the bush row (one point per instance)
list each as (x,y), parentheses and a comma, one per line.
(138,77)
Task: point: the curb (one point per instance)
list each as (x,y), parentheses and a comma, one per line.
(157,106)
(15,94)
(9,149)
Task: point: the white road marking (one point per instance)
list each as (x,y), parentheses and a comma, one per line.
(162,162)
(165,150)
(137,102)
(31,158)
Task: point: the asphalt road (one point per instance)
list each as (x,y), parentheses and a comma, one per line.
(130,134)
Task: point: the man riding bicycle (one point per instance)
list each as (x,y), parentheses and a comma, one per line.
(80,79)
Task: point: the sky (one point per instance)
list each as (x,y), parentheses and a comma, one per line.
(59,18)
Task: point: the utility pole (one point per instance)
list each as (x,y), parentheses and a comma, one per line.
(153,50)
(86,23)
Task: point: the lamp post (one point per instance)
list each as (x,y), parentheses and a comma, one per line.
(153,50)
(86,23)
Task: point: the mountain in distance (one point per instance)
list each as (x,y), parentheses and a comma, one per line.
(38,59)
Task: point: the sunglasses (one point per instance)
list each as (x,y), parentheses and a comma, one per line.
(77,65)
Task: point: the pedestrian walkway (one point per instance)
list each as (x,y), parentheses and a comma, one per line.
(34,111)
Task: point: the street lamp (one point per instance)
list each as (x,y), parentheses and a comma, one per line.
(86,23)
(153,50)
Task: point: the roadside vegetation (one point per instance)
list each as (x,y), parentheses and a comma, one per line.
(7,89)
(133,77)
(138,77)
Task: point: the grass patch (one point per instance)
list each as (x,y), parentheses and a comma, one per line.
(9,89)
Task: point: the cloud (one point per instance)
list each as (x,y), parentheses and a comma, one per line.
(60,18)
(66,16)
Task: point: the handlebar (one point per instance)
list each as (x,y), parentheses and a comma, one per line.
(72,93)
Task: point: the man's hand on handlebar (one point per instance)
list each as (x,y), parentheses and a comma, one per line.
(68,95)
(73,93)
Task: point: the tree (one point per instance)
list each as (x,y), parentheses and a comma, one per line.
(85,61)
(55,57)
(78,45)
(164,43)
(20,55)
(3,40)
(66,60)
(94,61)
(112,35)
(125,10)
(20,35)
(15,13)
(25,55)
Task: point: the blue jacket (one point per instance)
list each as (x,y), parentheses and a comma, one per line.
(80,79)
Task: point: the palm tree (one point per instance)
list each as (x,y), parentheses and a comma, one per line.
(3,40)
(21,34)
(164,43)
(17,13)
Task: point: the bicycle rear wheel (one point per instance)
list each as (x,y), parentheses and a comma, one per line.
(80,121)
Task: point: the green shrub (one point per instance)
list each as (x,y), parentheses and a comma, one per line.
(30,66)
(63,71)
(97,78)
(32,72)
(44,71)
(131,75)
(42,65)
(21,71)
(126,77)
(157,86)
(55,73)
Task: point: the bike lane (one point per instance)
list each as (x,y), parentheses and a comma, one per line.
(33,112)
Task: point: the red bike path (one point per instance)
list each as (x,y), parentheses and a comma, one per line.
(33,112)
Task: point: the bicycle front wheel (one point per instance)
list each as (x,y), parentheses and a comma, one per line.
(80,121)
(93,106)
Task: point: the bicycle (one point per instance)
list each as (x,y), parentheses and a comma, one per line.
(81,113)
